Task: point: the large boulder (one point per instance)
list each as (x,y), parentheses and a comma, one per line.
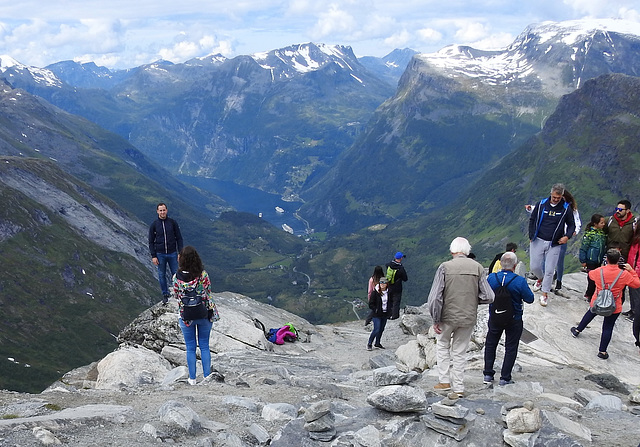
(131,366)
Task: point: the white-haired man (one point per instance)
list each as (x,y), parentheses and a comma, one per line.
(458,287)
(551,224)
(519,290)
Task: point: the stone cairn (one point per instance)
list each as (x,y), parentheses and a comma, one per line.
(523,425)
(450,418)
(320,421)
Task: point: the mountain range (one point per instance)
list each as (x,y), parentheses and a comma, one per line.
(465,141)
(455,114)
(296,120)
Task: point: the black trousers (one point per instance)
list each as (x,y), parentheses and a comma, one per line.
(513,332)
(395,298)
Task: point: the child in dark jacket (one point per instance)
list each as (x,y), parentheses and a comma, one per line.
(592,249)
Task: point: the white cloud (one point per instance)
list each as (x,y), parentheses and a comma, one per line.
(335,21)
(123,34)
(187,47)
(398,40)
(599,8)
(471,32)
(429,35)
(629,14)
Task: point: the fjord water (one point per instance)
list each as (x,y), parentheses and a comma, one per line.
(251,200)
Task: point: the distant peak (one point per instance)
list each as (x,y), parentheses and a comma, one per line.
(306,57)
(7,61)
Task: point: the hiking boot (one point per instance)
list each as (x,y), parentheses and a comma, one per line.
(442,387)
(575,332)
(369,348)
(488,379)
(379,346)
(506,382)
(558,285)
(537,286)
(543,300)
(165,299)
(603,355)
(191,381)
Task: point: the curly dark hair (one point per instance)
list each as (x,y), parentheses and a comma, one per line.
(190,262)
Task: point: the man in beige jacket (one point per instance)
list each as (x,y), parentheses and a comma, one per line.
(458,287)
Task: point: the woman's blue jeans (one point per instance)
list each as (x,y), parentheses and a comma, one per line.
(197,330)
(378,329)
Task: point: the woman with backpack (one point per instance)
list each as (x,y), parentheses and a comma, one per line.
(380,304)
(613,278)
(374,280)
(592,249)
(192,289)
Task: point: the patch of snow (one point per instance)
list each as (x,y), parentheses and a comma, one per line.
(357,78)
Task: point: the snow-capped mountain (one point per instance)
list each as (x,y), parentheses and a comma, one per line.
(304,58)
(459,110)
(11,68)
(545,51)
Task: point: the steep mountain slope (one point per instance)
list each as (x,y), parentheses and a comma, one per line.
(591,143)
(273,120)
(73,272)
(456,112)
(32,128)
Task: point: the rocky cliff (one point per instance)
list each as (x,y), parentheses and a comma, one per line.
(326,389)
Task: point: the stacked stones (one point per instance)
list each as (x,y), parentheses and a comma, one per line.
(320,421)
(394,395)
(523,425)
(449,418)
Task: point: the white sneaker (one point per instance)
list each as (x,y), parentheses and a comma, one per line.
(537,286)
(191,381)
(543,300)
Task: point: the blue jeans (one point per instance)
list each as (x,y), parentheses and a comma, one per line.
(163,260)
(512,334)
(607,327)
(200,329)
(560,265)
(378,328)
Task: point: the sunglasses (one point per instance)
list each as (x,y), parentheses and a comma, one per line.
(621,209)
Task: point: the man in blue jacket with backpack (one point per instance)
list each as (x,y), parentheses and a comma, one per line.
(505,315)
(551,225)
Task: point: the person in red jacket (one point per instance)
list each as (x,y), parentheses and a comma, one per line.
(629,277)
(634,294)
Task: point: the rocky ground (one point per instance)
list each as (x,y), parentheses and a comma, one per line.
(259,393)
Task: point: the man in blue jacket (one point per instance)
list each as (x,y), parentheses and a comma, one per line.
(165,242)
(520,291)
(551,225)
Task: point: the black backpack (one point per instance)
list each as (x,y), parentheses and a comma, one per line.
(194,306)
(502,310)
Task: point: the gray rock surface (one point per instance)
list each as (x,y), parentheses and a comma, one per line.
(334,371)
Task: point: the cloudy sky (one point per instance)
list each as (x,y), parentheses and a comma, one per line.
(128,33)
